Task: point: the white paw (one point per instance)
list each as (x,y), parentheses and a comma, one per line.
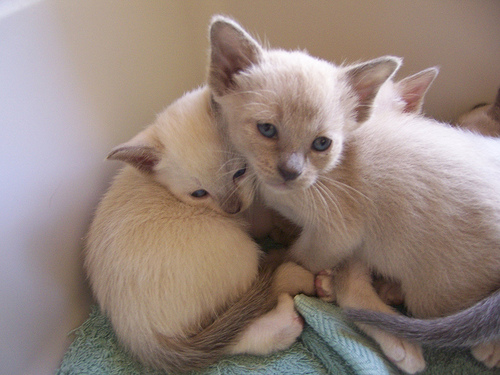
(488,353)
(407,356)
(324,284)
(410,357)
(288,324)
(274,331)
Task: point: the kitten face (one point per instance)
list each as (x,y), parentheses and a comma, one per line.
(182,150)
(287,141)
(287,112)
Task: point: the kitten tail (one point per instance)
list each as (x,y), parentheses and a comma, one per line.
(470,327)
(181,354)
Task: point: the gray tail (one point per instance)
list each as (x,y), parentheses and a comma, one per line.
(182,354)
(475,325)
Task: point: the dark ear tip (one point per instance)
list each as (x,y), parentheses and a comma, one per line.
(117,153)
(219,21)
(112,154)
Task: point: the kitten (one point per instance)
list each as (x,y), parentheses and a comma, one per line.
(483,118)
(413,201)
(170,262)
(464,329)
(406,95)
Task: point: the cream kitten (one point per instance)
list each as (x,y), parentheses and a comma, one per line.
(406,95)
(464,329)
(173,269)
(413,201)
(483,119)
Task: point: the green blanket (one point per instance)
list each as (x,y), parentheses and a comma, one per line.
(328,345)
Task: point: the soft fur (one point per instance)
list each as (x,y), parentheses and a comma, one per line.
(415,200)
(178,275)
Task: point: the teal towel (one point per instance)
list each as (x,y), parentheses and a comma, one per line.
(328,345)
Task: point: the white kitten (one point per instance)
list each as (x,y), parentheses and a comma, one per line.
(173,269)
(414,201)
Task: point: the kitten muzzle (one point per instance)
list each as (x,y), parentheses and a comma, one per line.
(291,166)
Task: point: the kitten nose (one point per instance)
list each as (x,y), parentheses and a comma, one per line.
(288,174)
(231,204)
(291,167)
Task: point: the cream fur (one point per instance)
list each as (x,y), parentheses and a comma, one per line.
(413,199)
(163,264)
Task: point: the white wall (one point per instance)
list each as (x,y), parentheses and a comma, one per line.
(78,77)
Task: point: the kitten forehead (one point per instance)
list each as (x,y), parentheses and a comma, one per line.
(290,86)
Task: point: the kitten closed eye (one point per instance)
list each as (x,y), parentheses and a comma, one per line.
(199,193)
(239,173)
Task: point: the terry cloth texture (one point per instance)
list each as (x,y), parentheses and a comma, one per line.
(328,345)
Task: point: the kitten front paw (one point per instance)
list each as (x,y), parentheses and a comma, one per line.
(488,353)
(277,330)
(325,288)
(288,322)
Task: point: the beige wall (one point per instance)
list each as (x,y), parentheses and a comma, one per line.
(78,77)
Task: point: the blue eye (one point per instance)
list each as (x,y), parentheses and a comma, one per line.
(239,173)
(267,130)
(321,143)
(199,193)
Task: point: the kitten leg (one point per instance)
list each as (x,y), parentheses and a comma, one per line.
(353,288)
(325,286)
(488,353)
(390,292)
(293,279)
(274,331)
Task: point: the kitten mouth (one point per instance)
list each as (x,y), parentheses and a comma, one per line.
(281,186)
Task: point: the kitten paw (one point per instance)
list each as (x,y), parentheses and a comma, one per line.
(277,330)
(406,355)
(325,288)
(488,353)
(289,324)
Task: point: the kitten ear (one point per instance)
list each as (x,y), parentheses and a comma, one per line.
(232,50)
(412,89)
(142,152)
(494,111)
(366,79)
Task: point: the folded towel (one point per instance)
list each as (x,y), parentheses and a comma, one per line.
(328,345)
